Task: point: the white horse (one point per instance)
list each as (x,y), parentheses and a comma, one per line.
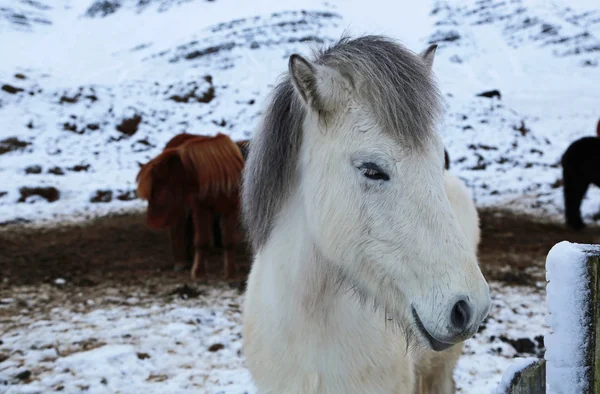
(361,267)
(435,369)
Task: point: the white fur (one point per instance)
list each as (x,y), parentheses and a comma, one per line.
(396,243)
(435,370)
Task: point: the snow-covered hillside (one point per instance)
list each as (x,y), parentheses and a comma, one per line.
(89,89)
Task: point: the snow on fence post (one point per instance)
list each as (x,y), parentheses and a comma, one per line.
(524,376)
(573,295)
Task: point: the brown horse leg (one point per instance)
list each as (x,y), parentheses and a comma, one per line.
(229,225)
(202,239)
(189,238)
(177,240)
(216,231)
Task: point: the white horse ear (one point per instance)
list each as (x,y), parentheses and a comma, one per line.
(320,87)
(428,55)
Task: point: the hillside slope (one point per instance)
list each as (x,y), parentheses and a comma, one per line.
(90,89)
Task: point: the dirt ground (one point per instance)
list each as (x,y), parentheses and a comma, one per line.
(122,251)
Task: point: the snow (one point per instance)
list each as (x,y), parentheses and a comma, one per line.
(567,298)
(517,366)
(130,347)
(85,73)
(131,341)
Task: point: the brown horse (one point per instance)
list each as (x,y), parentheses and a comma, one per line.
(201,175)
(181,233)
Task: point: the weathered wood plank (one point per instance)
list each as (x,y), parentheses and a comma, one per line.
(529,380)
(592,313)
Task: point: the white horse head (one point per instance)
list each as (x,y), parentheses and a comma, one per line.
(350,139)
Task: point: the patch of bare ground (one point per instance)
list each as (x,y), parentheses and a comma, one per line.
(119,256)
(117,250)
(514,247)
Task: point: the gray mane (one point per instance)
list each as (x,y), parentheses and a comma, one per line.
(396,85)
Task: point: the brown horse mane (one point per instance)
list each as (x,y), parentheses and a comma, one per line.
(149,170)
(189,166)
(144,176)
(216,163)
(598,128)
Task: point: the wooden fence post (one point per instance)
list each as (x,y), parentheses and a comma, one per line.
(529,380)
(573,295)
(572,360)
(592,351)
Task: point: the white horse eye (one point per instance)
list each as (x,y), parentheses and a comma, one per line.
(373,171)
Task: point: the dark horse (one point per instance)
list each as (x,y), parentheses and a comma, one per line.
(183,230)
(216,227)
(581,167)
(198,177)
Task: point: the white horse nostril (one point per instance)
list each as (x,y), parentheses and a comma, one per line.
(460,316)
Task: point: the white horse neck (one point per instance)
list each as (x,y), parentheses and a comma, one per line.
(323,326)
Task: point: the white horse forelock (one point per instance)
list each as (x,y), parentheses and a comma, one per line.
(367,221)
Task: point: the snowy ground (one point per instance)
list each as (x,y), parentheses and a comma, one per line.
(73,71)
(129,341)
